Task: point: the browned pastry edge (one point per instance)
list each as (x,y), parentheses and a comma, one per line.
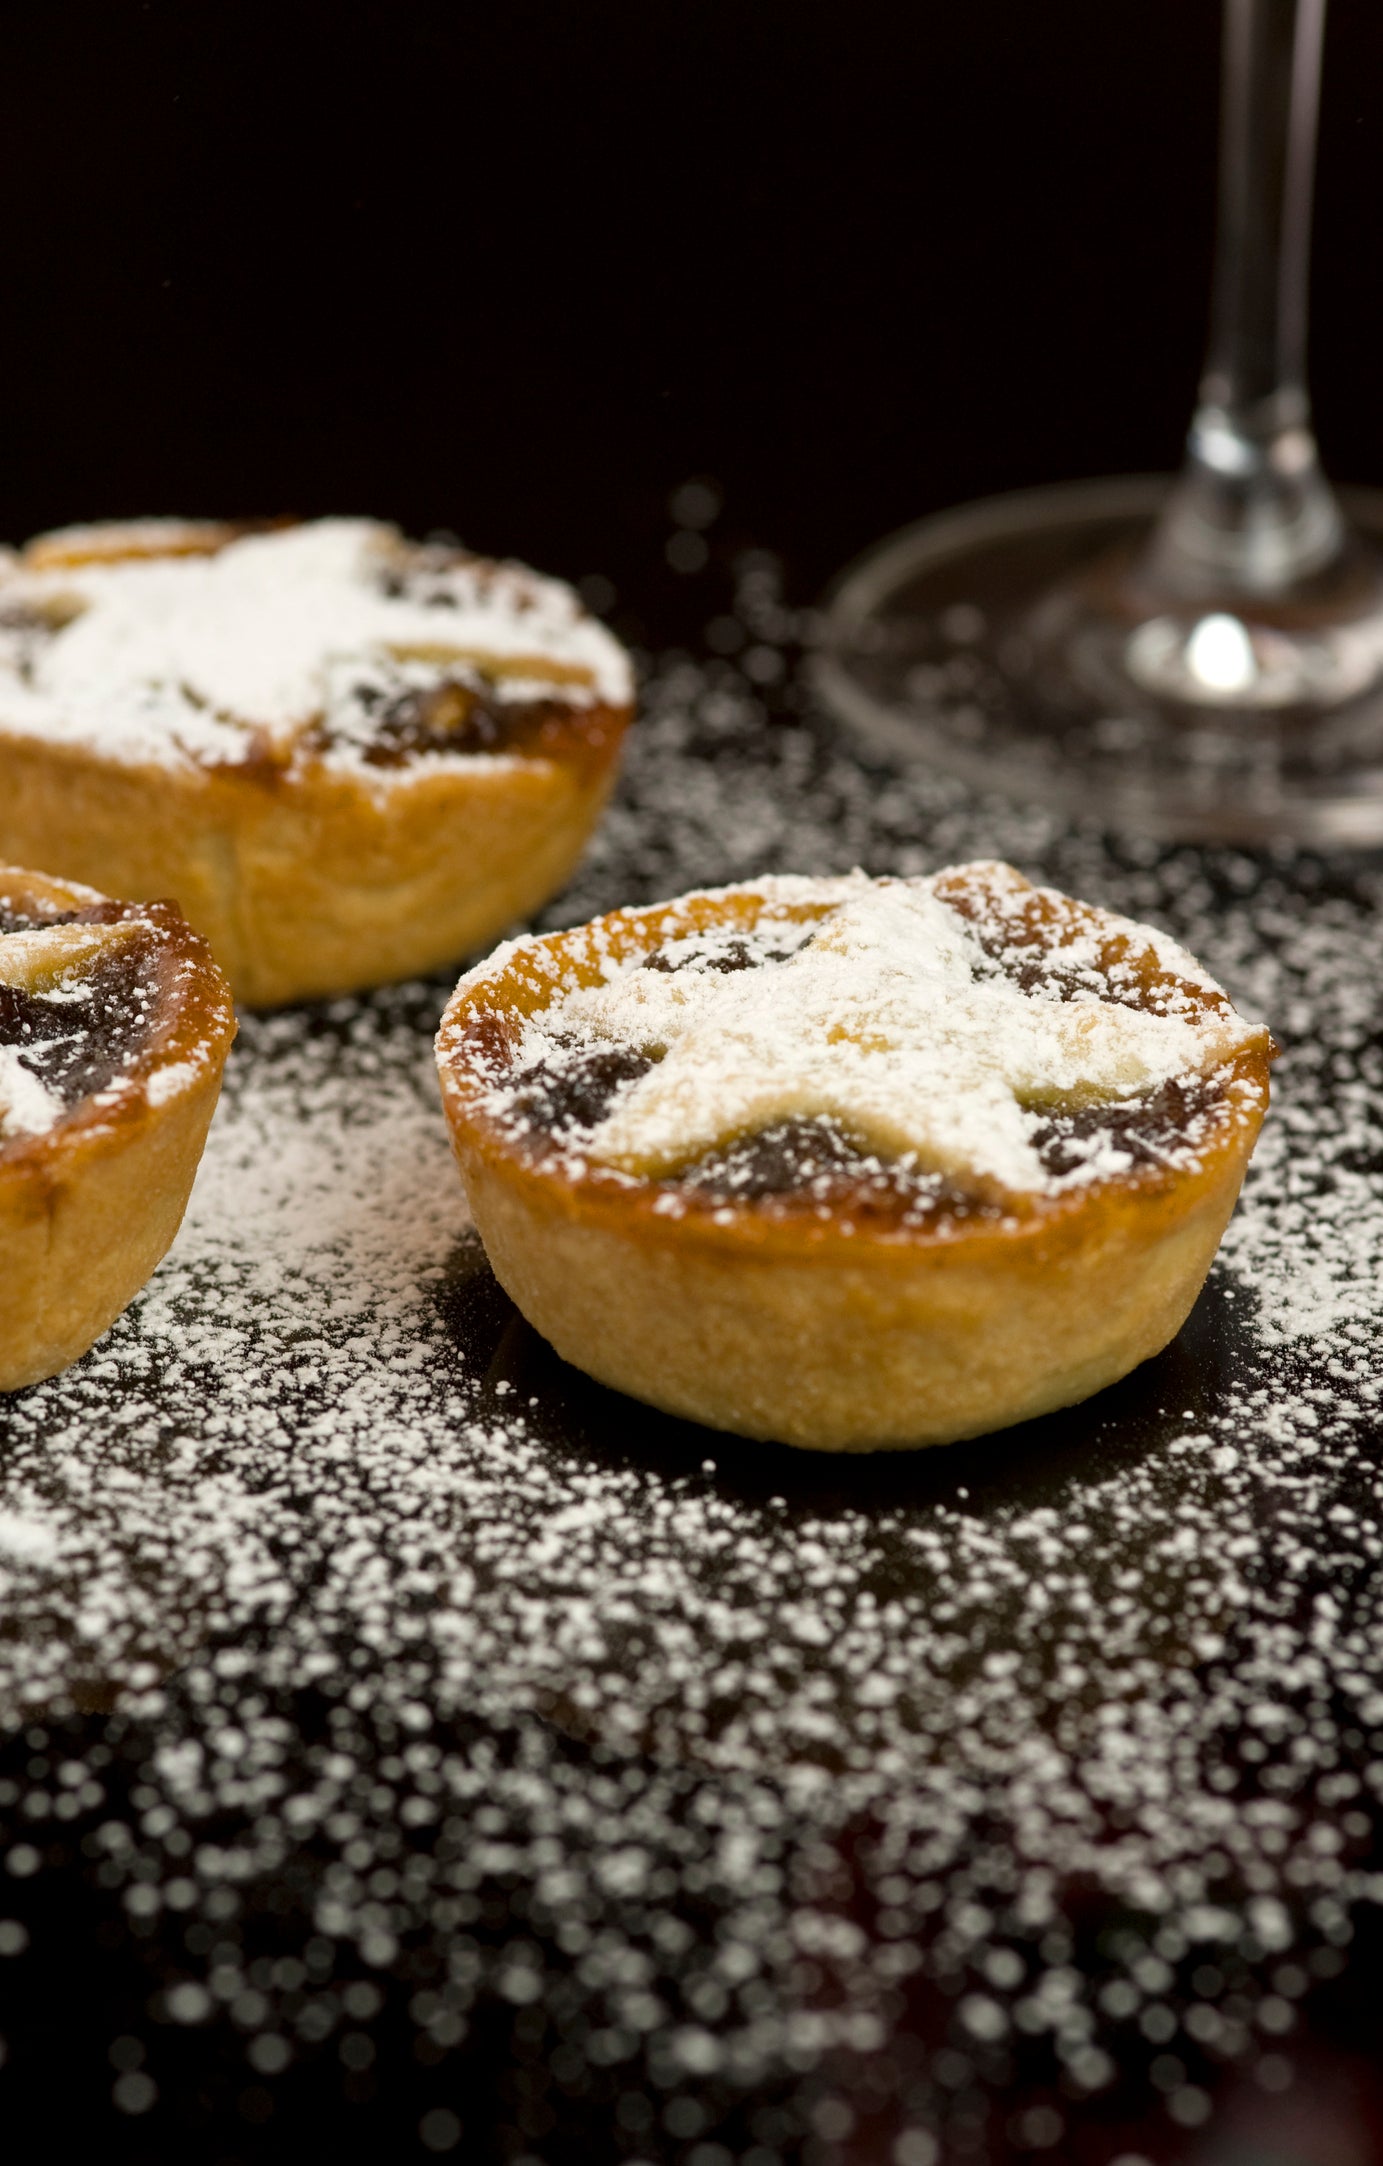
(88,1208)
(310,880)
(755,1322)
(117,541)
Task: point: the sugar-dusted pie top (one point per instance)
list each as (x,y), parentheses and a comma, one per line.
(967,1035)
(88,995)
(170,641)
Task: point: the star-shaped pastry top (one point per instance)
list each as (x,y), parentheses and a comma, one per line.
(51,962)
(893,1020)
(145,653)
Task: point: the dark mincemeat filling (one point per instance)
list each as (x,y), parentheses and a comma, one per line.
(77,1045)
(24,633)
(576,1091)
(813,1162)
(14,920)
(1148,1129)
(1026,945)
(423,577)
(417,581)
(726,956)
(450,717)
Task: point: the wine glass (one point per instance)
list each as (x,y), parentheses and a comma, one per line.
(1200,658)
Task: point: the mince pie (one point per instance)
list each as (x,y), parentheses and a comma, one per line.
(853,1163)
(114,1028)
(349,756)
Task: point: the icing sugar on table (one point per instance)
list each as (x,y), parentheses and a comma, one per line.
(496,1756)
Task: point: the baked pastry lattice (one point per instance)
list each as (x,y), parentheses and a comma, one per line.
(350,757)
(853,1163)
(114,1028)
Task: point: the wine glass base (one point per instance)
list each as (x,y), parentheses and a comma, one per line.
(989,641)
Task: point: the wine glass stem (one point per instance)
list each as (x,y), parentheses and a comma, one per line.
(1252,515)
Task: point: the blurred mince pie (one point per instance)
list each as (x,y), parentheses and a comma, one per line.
(114,1028)
(349,756)
(852,1163)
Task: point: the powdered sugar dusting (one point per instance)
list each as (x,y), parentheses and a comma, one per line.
(28,1107)
(157,659)
(172,1079)
(890,1018)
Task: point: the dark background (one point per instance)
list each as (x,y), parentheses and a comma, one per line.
(519,269)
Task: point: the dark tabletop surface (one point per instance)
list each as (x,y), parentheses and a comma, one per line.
(412,1743)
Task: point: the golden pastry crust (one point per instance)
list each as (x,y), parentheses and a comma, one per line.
(863,1310)
(317,861)
(90,1202)
(115,541)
